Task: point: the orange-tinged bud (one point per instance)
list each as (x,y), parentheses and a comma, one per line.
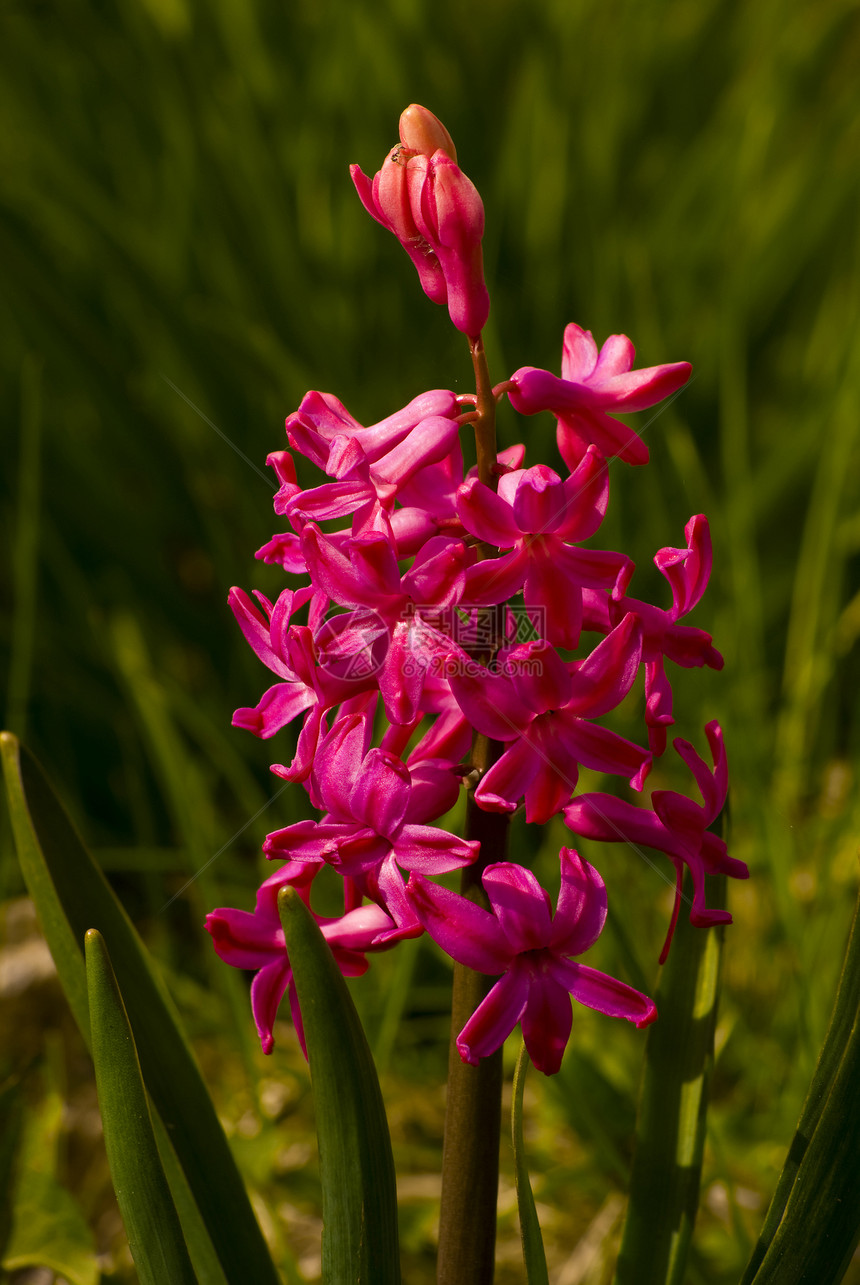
(421,131)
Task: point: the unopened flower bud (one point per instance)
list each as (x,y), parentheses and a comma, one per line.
(436,213)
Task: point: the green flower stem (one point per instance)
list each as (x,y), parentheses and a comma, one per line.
(533,1250)
(470,1157)
(485,424)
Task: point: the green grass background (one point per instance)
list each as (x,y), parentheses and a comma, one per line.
(181,248)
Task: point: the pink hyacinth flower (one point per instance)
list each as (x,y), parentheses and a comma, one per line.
(593,386)
(542,707)
(256,941)
(434,210)
(539,517)
(688,571)
(521,939)
(375,820)
(677,826)
(365,574)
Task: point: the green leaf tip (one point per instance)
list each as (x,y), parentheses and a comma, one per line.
(151,1222)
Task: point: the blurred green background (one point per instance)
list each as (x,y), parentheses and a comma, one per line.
(183,255)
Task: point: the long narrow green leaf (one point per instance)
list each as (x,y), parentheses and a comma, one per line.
(151,1222)
(813,1224)
(360,1242)
(664,1186)
(72,895)
(533,1251)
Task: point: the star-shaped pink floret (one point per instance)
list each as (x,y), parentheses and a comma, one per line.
(677,826)
(375,812)
(520,938)
(688,571)
(256,941)
(366,575)
(539,517)
(593,387)
(542,707)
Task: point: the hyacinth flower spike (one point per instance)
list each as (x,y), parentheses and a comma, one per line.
(520,939)
(677,826)
(593,385)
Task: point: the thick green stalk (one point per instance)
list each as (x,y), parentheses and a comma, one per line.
(473,1113)
(470,1157)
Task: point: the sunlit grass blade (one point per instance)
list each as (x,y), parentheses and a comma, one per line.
(151,1223)
(71,896)
(813,1224)
(533,1251)
(360,1239)
(664,1186)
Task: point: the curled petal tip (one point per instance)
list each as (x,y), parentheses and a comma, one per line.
(421,131)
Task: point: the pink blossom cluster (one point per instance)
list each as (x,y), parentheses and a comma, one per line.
(402,639)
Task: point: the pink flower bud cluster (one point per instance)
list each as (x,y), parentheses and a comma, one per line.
(428,607)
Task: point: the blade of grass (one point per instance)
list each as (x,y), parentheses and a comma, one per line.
(360,1239)
(148,1212)
(533,1251)
(72,895)
(817,1182)
(25,548)
(664,1186)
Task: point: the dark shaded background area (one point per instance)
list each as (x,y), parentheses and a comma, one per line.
(180,243)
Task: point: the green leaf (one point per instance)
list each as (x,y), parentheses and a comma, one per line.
(533,1251)
(813,1225)
(664,1185)
(71,896)
(49,1230)
(151,1223)
(360,1242)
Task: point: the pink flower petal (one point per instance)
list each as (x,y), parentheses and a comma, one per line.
(581,910)
(553,599)
(600,682)
(486,515)
(606,994)
(491,704)
(586,496)
(539,502)
(495,580)
(339,764)
(520,904)
(495,1017)
(579,354)
(616,357)
(546,1022)
(502,787)
(540,676)
(380,793)
(431,851)
(465,931)
(267,991)
(604,751)
(277,707)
